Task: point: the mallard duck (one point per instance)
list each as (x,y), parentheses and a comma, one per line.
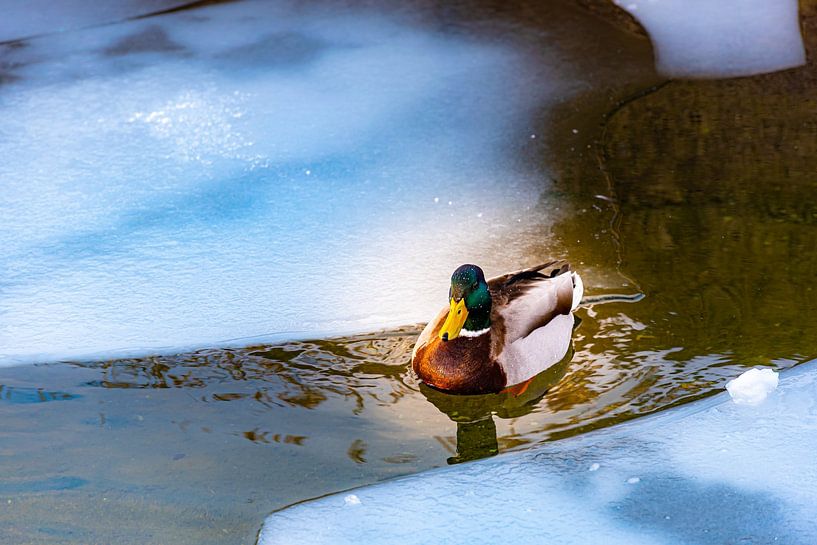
(500,332)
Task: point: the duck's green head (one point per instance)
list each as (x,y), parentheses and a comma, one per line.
(470,301)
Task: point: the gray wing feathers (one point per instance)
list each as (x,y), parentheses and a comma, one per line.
(543,348)
(537,321)
(533,304)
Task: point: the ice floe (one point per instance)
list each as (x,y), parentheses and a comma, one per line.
(721,38)
(752,387)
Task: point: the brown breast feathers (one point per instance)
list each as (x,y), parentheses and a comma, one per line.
(462,365)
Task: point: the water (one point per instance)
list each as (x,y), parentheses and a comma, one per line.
(698,194)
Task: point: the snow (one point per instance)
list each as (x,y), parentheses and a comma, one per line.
(710,472)
(722,38)
(35,17)
(252,171)
(351,499)
(752,387)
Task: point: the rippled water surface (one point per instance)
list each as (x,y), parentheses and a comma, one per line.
(699,195)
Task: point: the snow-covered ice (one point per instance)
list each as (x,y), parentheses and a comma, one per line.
(35,17)
(253,171)
(752,387)
(705,473)
(721,38)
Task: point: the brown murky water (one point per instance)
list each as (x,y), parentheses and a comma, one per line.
(702,196)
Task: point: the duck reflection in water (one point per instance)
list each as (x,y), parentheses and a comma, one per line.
(474,414)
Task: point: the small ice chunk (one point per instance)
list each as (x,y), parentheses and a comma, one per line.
(752,387)
(633,480)
(594,467)
(351,499)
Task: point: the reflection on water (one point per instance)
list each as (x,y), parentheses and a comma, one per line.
(12,394)
(473,414)
(365,370)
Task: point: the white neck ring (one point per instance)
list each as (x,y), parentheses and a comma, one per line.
(469,333)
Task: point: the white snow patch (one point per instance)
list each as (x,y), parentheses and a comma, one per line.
(720,38)
(351,499)
(752,387)
(469,333)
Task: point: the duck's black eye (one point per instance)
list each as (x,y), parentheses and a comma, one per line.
(475,286)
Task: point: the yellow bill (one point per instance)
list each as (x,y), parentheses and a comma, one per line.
(454,321)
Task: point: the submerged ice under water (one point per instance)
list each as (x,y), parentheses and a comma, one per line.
(180,182)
